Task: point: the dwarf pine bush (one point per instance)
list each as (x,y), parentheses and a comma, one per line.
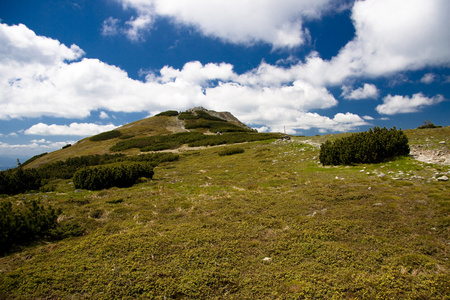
(372,146)
(108,135)
(25,224)
(106,176)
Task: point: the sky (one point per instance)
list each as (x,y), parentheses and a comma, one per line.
(74,68)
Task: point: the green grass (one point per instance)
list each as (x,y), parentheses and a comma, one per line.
(269,223)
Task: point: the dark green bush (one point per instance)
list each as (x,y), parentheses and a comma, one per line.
(108,135)
(372,146)
(24,224)
(204,115)
(159,142)
(119,175)
(169,113)
(19,180)
(66,169)
(187,116)
(215,126)
(428,124)
(126,137)
(231,151)
(66,146)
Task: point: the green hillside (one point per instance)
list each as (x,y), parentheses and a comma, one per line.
(255,220)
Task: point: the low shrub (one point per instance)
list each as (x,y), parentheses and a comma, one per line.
(24,224)
(428,124)
(215,126)
(66,169)
(159,142)
(126,137)
(372,146)
(119,175)
(19,180)
(187,116)
(66,146)
(231,151)
(108,135)
(169,113)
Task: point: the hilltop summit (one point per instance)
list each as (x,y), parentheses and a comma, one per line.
(197,119)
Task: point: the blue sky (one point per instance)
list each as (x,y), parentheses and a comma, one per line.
(74,68)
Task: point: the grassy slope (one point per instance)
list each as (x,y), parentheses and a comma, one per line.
(146,127)
(206,226)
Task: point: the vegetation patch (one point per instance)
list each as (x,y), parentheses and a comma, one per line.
(20,180)
(427,125)
(24,224)
(372,146)
(159,142)
(187,115)
(108,135)
(106,176)
(169,113)
(231,151)
(269,223)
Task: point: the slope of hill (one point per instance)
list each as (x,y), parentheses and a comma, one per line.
(267,223)
(154,126)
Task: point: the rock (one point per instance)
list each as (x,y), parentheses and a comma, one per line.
(267,259)
(381,175)
(377,204)
(442,178)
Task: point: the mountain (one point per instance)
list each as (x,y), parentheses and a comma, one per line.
(197,119)
(264,221)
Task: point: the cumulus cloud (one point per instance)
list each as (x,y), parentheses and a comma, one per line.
(103,115)
(110,27)
(73,89)
(365,92)
(391,36)
(33,147)
(43,77)
(428,78)
(279,23)
(78,129)
(404,104)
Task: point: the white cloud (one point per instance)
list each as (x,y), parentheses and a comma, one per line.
(137,27)
(404,104)
(275,22)
(428,78)
(23,47)
(78,129)
(110,27)
(75,89)
(103,115)
(32,147)
(365,92)
(395,35)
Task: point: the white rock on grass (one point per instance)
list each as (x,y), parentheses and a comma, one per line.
(442,178)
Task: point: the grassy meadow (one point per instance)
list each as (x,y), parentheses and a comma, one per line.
(265,221)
